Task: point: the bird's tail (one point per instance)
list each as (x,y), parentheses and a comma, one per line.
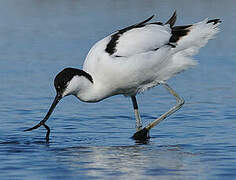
(189,39)
(186,41)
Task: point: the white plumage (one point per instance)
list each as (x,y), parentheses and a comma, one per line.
(132,60)
(141,40)
(136,65)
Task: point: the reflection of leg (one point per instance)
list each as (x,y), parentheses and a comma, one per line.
(137,115)
(179,104)
(142,134)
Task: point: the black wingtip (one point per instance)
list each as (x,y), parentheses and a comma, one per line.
(111,46)
(172,20)
(146,20)
(214,21)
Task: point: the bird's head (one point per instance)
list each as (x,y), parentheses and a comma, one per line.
(64,80)
(67,82)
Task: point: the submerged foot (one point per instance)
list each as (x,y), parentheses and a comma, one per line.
(141,135)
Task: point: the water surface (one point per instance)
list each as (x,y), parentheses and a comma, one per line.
(92,141)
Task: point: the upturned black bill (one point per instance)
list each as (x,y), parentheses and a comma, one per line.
(55,102)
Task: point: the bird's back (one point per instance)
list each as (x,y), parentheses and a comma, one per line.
(142,55)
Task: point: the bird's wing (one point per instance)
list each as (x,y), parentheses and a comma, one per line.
(139,38)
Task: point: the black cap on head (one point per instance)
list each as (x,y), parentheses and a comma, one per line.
(60,82)
(62,78)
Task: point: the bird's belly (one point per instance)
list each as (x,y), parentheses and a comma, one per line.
(127,86)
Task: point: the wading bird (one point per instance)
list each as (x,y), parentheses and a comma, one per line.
(132,60)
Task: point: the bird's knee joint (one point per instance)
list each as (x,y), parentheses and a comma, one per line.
(181,102)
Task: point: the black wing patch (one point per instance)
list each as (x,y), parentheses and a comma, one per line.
(214,21)
(111,46)
(178,32)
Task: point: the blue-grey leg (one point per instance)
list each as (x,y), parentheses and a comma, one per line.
(137,115)
(142,134)
(179,104)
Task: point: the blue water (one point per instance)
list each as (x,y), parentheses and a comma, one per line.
(92,141)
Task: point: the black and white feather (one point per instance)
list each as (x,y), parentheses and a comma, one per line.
(140,36)
(144,54)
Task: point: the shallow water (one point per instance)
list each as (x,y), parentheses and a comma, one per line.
(92,141)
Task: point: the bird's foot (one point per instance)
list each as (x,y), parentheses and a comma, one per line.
(141,135)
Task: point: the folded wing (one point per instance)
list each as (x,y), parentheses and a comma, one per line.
(140,38)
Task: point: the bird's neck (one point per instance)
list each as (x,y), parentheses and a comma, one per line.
(85,89)
(81,87)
